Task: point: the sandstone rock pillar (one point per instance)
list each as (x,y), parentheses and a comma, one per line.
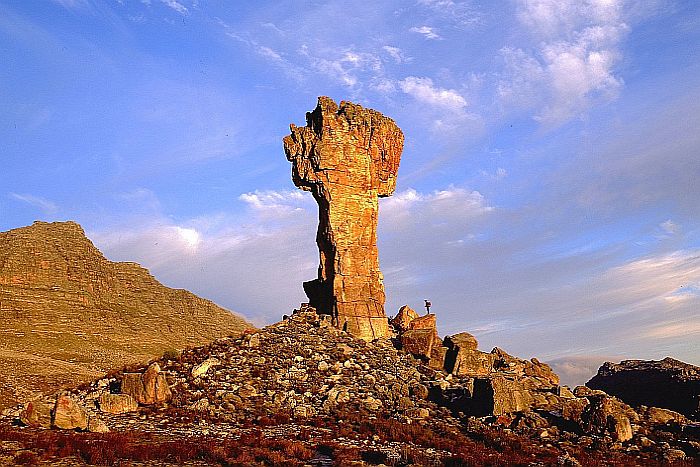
(347,157)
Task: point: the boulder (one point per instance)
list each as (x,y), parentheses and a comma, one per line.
(428,321)
(132,385)
(509,396)
(463,359)
(573,409)
(96,425)
(204,367)
(495,395)
(620,427)
(437,357)
(403,319)
(37,413)
(117,403)
(469,363)
(565,392)
(418,413)
(418,342)
(658,416)
(601,414)
(150,388)
(68,414)
(461,341)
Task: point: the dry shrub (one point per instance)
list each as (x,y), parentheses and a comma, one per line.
(26,458)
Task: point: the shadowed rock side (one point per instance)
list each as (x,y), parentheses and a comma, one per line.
(666,383)
(347,157)
(67,314)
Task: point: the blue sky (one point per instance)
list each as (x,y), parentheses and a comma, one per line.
(548,197)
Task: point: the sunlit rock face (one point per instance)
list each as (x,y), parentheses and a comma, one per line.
(347,157)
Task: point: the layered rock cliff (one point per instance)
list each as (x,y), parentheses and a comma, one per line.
(347,157)
(68,314)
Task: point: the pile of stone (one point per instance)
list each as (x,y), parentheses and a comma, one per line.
(525,395)
(481,383)
(303,367)
(62,411)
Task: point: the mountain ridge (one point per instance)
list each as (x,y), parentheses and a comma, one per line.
(63,302)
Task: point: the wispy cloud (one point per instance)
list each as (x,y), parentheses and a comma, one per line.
(175,5)
(461,13)
(272,55)
(73,4)
(396,54)
(682,329)
(344,65)
(48,207)
(426,31)
(669,227)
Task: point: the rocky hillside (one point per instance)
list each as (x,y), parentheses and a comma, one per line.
(667,383)
(302,392)
(67,314)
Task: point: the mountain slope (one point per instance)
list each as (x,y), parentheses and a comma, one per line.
(67,313)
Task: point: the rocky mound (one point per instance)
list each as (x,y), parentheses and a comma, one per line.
(302,379)
(667,383)
(67,314)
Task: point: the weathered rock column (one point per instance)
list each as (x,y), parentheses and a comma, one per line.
(347,157)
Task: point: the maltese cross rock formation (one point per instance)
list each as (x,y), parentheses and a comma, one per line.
(347,157)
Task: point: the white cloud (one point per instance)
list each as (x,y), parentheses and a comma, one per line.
(384,86)
(554,18)
(48,207)
(670,227)
(410,221)
(396,54)
(189,236)
(576,370)
(278,203)
(440,205)
(275,57)
(574,62)
(499,174)
(175,5)
(254,265)
(423,90)
(426,31)
(269,53)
